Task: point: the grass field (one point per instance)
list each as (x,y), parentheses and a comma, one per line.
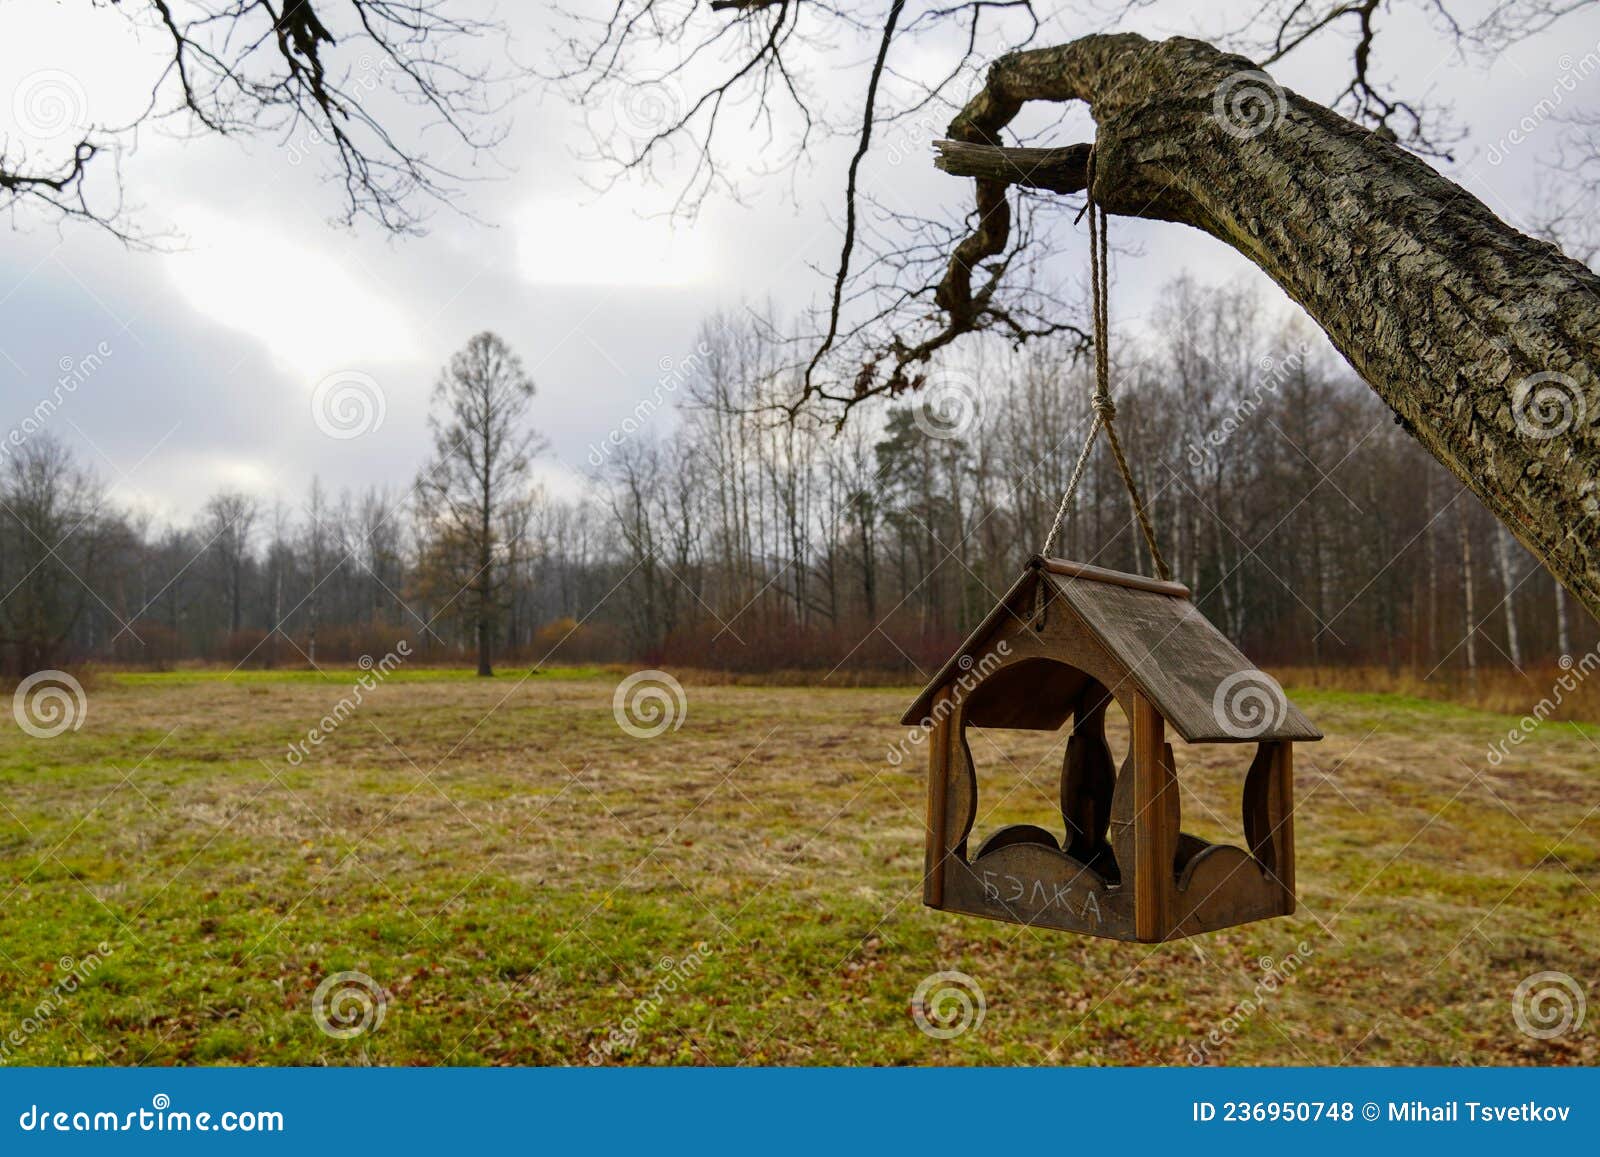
(526,883)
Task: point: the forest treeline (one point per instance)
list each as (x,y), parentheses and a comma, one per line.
(712,532)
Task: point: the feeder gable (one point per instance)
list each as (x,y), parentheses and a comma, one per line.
(1015,605)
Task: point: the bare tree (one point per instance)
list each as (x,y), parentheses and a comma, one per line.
(1444,309)
(1509,583)
(1482,340)
(635,477)
(228,522)
(481,454)
(675,71)
(315,548)
(50,549)
(279,559)
(1468,614)
(311,73)
(1330,526)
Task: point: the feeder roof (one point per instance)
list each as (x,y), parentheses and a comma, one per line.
(1203,686)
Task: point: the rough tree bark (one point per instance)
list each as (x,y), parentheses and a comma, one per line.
(1481,339)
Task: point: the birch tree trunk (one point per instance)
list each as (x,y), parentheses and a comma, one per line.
(1563,633)
(1508,583)
(1464,532)
(1482,340)
(1431,556)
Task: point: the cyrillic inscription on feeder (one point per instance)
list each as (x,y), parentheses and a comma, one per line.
(1030,898)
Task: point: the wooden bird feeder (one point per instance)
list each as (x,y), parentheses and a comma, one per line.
(1065,641)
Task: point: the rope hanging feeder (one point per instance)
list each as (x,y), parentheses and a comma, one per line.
(1122,867)
(1105,410)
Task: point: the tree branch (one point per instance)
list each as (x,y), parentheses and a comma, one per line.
(1484,342)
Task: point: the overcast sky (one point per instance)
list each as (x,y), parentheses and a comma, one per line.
(212,356)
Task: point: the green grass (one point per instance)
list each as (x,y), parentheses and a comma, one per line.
(521,877)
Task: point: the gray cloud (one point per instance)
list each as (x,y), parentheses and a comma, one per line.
(191,397)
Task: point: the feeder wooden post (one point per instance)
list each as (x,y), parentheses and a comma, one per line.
(938,842)
(1154,835)
(1283,804)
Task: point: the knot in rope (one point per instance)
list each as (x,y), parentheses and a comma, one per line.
(1104,407)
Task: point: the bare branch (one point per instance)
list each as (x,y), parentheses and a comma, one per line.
(312,74)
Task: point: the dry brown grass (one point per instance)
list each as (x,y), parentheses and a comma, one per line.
(512,868)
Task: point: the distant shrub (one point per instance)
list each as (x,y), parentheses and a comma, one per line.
(153,646)
(849,650)
(246,647)
(346,645)
(566,641)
